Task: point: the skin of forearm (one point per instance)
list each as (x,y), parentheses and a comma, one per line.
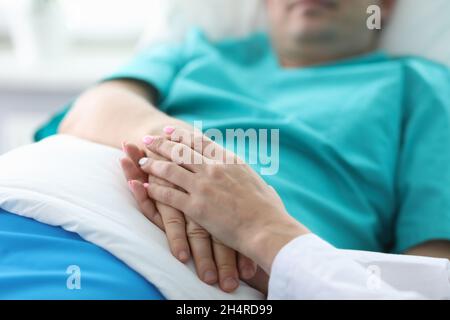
(268,240)
(435,249)
(114,112)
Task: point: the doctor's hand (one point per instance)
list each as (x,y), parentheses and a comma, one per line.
(213,260)
(222,194)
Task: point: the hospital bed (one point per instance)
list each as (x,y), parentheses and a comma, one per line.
(48,225)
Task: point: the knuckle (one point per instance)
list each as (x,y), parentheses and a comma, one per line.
(174,221)
(226,266)
(178,154)
(205,263)
(157,143)
(183,135)
(178,238)
(197,232)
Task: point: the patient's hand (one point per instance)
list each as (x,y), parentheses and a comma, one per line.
(223,194)
(185,236)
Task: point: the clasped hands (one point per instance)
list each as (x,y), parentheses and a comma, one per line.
(186,184)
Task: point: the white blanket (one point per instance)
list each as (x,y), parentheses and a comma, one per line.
(79,186)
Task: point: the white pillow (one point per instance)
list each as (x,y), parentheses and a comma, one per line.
(417,27)
(219,19)
(78,185)
(420,28)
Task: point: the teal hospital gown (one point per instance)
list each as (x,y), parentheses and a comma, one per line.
(364,143)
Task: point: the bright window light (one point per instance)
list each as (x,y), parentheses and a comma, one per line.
(106,19)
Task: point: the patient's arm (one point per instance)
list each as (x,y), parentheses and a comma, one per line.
(436,249)
(116,111)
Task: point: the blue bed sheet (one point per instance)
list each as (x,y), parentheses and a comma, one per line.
(35,262)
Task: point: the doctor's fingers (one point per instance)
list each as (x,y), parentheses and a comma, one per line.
(168,171)
(195,139)
(135,153)
(201,144)
(131,171)
(170,196)
(175,227)
(155,180)
(176,152)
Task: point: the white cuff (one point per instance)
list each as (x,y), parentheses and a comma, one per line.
(284,264)
(310,268)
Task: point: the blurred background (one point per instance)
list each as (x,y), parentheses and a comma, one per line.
(50,50)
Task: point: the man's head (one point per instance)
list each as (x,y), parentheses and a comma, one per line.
(322,30)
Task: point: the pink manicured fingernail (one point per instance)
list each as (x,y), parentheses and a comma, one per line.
(169,129)
(145,185)
(148,139)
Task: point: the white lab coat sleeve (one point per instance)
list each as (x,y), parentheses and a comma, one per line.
(310,268)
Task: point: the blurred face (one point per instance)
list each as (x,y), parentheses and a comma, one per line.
(306,26)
